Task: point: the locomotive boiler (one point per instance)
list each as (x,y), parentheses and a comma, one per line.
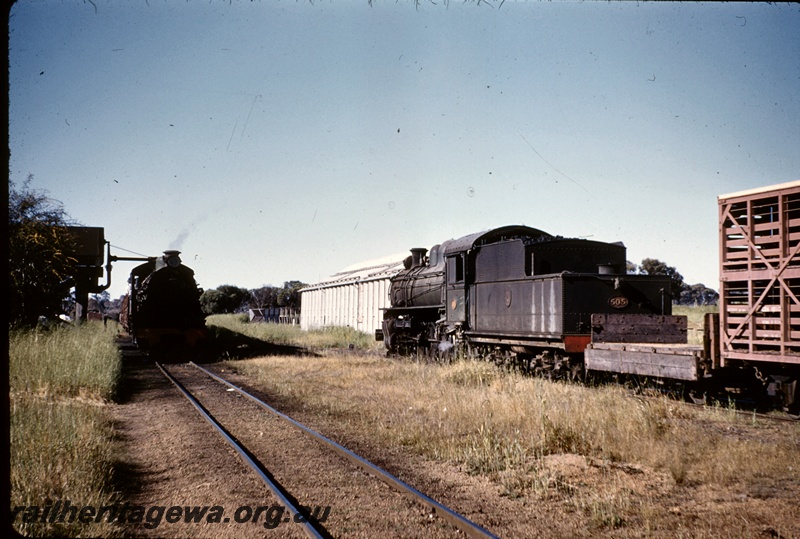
(522,294)
(162,307)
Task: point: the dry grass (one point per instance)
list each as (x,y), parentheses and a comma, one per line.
(61,442)
(507,427)
(548,442)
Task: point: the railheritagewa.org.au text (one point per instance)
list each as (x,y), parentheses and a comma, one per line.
(150,517)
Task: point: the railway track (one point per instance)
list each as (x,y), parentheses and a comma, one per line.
(776,417)
(785,417)
(351,479)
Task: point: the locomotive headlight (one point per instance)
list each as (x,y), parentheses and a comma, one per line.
(172,259)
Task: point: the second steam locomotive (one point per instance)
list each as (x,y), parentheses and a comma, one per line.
(162,307)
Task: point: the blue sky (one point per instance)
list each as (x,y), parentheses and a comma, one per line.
(280,140)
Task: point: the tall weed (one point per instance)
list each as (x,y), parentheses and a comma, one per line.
(68,361)
(61,441)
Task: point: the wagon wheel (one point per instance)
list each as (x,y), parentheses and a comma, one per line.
(697,396)
(793,408)
(576,372)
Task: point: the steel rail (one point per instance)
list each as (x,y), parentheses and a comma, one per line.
(462,523)
(787,417)
(308,526)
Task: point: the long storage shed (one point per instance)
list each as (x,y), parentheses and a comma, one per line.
(353,297)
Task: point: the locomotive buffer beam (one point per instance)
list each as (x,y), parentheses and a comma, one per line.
(644,345)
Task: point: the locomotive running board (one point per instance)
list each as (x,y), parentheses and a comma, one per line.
(514,340)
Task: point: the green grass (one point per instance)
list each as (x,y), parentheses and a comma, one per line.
(61,441)
(346,337)
(694,312)
(695,322)
(65,362)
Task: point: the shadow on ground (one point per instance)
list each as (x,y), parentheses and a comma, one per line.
(222,345)
(225,344)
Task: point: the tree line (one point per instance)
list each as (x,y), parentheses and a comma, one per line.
(682,292)
(232,299)
(41,269)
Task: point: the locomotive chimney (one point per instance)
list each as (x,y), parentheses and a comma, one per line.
(417,256)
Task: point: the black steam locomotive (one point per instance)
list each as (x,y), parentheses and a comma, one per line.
(162,307)
(522,295)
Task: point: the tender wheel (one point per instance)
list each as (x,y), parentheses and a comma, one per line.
(697,396)
(576,372)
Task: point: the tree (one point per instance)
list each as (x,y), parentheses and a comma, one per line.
(225,299)
(698,294)
(40,267)
(212,302)
(653,266)
(235,298)
(100,302)
(290,294)
(264,297)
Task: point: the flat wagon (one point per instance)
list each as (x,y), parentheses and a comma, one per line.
(755,339)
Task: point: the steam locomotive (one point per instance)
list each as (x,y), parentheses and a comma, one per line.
(522,294)
(563,307)
(162,306)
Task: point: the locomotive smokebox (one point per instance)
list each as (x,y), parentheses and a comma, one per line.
(418,256)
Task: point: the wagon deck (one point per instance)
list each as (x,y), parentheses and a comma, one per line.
(658,360)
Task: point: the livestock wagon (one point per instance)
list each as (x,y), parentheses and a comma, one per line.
(756,337)
(759,242)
